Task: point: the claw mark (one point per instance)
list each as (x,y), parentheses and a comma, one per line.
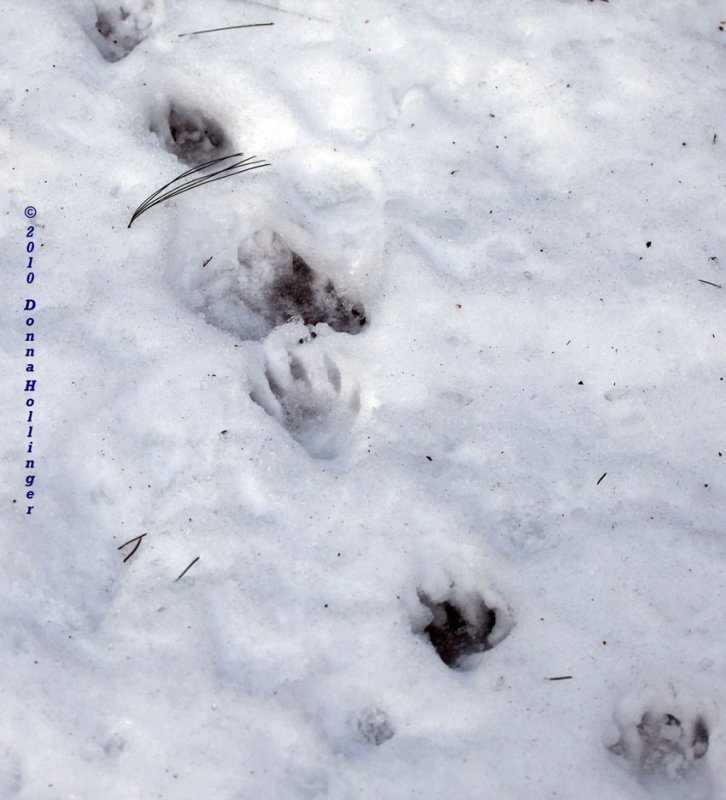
(333,373)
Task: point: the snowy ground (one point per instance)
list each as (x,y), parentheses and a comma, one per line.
(509,237)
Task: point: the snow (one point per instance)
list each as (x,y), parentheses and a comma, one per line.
(520,427)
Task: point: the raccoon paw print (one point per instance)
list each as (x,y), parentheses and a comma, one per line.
(666,752)
(120,28)
(374,726)
(189,134)
(304,389)
(279,284)
(461,626)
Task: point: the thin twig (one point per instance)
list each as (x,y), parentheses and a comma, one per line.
(160,195)
(708,283)
(187,569)
(230,28)
(601,477)
(136,539)
(561,678)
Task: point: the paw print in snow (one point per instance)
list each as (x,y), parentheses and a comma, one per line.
(189,133)
(280,285)
(121,27)
(667,754)
(304,389)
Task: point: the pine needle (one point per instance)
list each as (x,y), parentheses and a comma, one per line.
(230,28)
(187,569)
(174,187)
(136,540)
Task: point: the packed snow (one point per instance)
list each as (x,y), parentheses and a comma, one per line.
(393,469)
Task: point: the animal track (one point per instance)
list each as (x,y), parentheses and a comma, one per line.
(120,28)
(303,388)
(266,286)
(189,135)
(374,726)
(665,752)
(460,628)
(279,284)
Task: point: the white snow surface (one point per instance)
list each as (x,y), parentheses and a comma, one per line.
(524,199)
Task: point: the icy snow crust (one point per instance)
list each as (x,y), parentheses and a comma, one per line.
(480,180)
